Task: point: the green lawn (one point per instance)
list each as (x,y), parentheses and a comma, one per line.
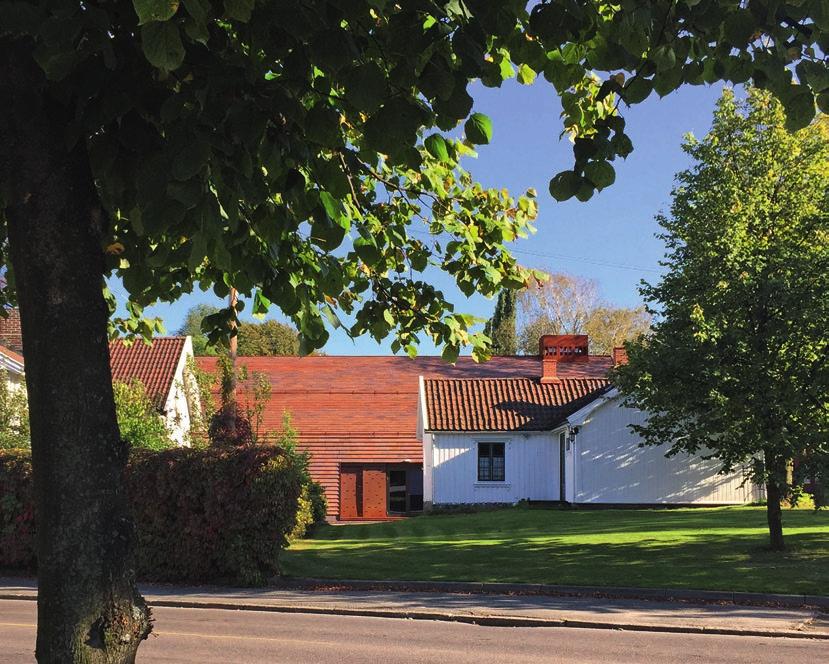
(714,548)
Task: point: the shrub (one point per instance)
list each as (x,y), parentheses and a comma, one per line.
(138,420)
(230,428)
(202,515)
(319,504)
(14,414)
(17,533)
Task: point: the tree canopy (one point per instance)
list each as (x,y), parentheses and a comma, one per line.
(737,363)
(288,149)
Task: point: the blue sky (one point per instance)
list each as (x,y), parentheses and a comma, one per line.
(609,238)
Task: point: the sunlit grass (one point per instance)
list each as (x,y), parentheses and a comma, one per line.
(714,548)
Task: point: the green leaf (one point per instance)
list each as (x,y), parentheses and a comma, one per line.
(261,304)
(436,146)
(239,9)
(366,87)
(367,250)
(478,129)
(450,354)
(162,45)
(326,233)
(565,185)
(823,102)
(800,108)
(663,57)
(600,173)
(637,90)
(322,125)
(154,10)
(739,27)
(56,62)
(191,159)
(526,74)
(455,107)
(335,209)
(198,9)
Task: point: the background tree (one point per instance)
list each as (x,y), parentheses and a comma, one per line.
(501,327)
(738,362)
(285,149)
(269,337)
(567,304)
(192,327)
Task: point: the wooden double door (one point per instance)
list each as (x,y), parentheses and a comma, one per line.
(377,491)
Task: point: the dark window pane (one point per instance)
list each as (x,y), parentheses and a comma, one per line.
(498,450)
(498,469)
(483,469)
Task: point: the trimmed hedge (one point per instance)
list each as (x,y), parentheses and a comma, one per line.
(17,518)
(218,515)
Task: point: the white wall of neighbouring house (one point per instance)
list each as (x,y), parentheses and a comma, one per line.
(610,467)
(177,414)
(531,468)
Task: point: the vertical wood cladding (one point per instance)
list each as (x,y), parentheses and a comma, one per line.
(351,504)
(374,492)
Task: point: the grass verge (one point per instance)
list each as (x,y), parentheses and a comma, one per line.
(702,548)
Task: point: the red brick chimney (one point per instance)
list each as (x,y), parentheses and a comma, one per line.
(620,356)
(10,334)
(555,348)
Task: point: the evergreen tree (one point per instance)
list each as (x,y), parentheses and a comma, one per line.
(501,327)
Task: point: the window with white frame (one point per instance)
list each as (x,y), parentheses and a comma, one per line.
(491,467)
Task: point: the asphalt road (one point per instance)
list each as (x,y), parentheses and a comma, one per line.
(210,636)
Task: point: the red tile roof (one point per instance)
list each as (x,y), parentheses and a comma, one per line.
(8,352)
(364,409)
(155,366)
(505,404)
(376,395)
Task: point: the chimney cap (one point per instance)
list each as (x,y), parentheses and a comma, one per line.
(563,347)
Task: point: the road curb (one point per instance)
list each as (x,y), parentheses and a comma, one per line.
(469,619)
(651,594)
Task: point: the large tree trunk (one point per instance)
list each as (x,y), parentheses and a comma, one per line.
(88,607)
(776,473)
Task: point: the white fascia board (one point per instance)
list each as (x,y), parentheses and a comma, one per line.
(10,365)
(486,432)
(578,418)
(424,413)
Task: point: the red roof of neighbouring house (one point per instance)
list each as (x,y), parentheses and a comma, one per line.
(506,404)
(155,366)
(377,396)
(8,352)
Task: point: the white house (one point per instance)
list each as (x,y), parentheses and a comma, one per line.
(11,363)
(162,367)
(562,435)
(163,370)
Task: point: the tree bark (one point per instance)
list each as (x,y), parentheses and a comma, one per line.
(776,473)
(88,607)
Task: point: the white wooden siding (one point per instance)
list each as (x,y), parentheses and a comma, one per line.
(531,468)
(177,407)
(610,467)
